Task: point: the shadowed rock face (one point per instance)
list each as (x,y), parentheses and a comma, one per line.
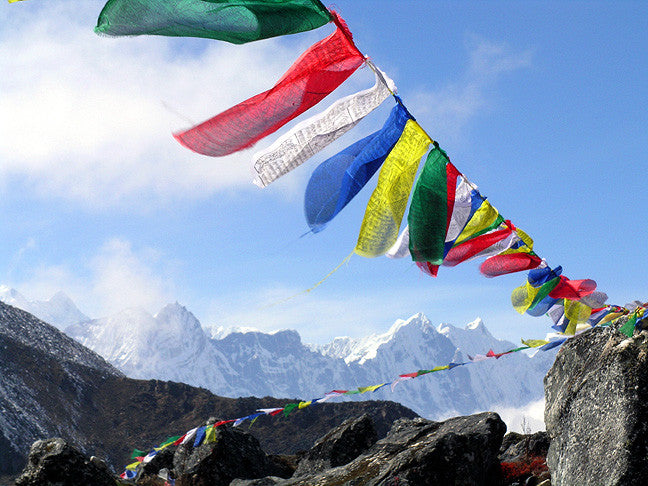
(340,446)
(597,410)
(233,454)
(459,451)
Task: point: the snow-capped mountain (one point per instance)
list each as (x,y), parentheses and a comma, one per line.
(58,311)
(172,345)
(168,346)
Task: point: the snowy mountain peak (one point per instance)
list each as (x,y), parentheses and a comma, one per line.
(476,324)
(414,329)
(221,332)
(59,310)
(176,315)
(417,321)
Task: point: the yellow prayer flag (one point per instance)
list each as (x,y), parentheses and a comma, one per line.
(210,435)
(534,343)
(387,204)
(611,317)
(366,389)
(440,368)
(305,404)
(526,248)
(133,466)
(522,297)
(576,312)
(484,217)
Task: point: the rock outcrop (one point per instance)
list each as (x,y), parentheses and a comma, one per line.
(459,451)
(597,410)
(340,446)
(231,454)
(55,462)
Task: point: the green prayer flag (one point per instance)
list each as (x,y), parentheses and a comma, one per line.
(544,291)
(170,440)
(137,453)
(428,212)
(235,21)
(289,408)
(628,327)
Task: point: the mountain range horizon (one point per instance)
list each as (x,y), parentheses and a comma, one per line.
(173,345)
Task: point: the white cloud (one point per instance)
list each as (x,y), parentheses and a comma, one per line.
(17,258)
(124,278)
(116,277)
(526,419)
(450,108)
(89,119)
(83,117)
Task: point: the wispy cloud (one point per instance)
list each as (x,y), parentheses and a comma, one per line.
(526,419)
(87,118)
(450,108)
(17,258)
(124,278)
(115,277)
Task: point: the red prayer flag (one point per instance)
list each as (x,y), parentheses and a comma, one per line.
(572,289)
(428,268)
(509,263)
(474,246)
(409,375)
(317,73)
(222,422)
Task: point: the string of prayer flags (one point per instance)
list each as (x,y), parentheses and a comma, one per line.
(387,204)
(317,72)
(338,179)
(314,134)
(235,21)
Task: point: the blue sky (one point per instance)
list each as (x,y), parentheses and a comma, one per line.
(542,104)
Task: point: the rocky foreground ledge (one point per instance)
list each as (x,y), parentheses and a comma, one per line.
(460,451)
